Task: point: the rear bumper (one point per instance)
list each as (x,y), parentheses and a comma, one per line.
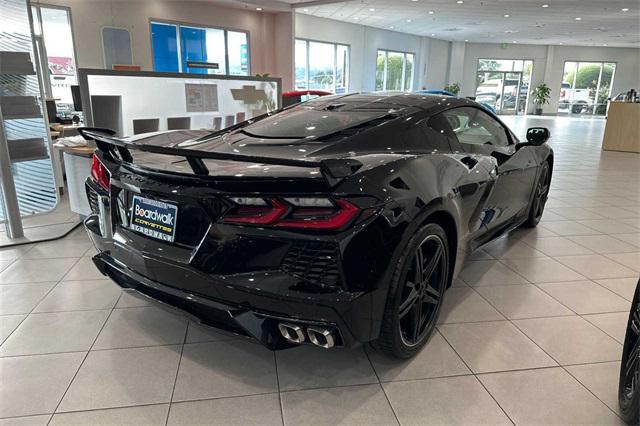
(249,304)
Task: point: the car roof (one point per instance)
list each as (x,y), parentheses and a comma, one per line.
(400,103)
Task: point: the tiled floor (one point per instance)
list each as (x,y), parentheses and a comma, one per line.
(531,332)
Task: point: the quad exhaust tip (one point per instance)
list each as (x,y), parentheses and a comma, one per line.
(291,332)
(319,336)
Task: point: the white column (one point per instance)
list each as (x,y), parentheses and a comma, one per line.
(456,64)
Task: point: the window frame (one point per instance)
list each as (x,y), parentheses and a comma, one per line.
(602,64)
(404,69)
(335,44)
(39,40)
(179,24)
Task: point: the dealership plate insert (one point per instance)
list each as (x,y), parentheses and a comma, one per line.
(154,218)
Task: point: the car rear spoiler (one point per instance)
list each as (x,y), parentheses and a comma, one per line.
(333,170)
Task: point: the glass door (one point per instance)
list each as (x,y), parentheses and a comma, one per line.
(511,82)
(503,84)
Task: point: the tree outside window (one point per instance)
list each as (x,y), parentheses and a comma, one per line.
(394,70)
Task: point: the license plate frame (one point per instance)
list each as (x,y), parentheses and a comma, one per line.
(154,218)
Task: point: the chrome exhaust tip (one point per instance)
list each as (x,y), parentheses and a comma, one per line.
(321,337)
(291,332)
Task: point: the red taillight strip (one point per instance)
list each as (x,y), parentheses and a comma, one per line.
(277,211)
(100,174)
(346,213)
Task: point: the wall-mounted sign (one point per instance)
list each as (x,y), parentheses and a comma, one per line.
(201,97)
(209,65)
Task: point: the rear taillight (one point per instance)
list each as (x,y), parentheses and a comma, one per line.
(301,213)
(100,174)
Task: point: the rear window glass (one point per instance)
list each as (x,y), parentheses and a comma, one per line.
(301,122)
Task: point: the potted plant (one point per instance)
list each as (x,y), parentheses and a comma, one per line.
(453,88)
(541,96)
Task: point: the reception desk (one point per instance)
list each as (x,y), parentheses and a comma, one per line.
(623,127)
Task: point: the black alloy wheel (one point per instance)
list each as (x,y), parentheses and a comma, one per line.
(540,196)
(423,288)
(629,385)
(416,293)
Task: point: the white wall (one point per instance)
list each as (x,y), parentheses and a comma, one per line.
(270,34)
(365,41)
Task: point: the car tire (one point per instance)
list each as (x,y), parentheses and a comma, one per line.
(536,209)
(421,301)
(629,384)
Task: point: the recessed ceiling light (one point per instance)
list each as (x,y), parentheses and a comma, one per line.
(258,9)
(433,35)
(431,12)
(545,5)
(408,20)
(372,9)
(355,18)
(578,19)
(625,9)
(466,41)
(460,2)
(605,45)
(305,10)
(561,43)
(506,16)
(391,27)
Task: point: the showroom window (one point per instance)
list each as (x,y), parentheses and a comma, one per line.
(54,41)
(200,50)
(321,66)
(394,70)
(586,87)
(504,84)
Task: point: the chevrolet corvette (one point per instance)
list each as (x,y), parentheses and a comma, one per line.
(335,222)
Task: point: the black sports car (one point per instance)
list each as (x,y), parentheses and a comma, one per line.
(629,385)
(334,222)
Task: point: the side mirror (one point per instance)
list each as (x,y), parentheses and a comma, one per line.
(537,136)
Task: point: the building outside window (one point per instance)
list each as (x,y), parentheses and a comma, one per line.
(321,66)
(54,41)
(586,87)
(201,50)
(394,70)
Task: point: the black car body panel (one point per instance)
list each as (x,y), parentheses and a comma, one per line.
(382,153)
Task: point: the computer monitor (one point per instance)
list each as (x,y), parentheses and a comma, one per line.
(77,99)
(52,111)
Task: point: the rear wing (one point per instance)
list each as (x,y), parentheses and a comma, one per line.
(332,169)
